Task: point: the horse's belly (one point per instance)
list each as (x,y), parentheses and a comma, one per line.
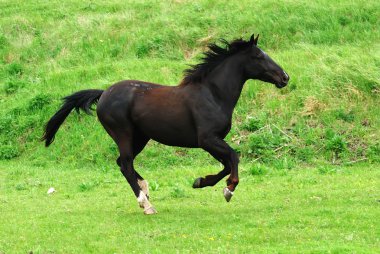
(176,139)
(172,134)
(169,127)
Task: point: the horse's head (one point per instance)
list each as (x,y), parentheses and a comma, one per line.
(260,66)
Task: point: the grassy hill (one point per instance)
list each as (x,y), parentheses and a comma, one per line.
(329,112)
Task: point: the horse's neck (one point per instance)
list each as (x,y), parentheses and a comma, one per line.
(226,83)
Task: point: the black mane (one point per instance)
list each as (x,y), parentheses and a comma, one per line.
(213,57)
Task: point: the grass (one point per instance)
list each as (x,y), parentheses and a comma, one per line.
(332,57)
(325,210)
(309,153)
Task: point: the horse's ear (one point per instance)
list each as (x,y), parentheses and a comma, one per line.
(256,39)
(252,39)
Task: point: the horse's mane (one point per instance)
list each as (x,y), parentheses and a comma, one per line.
(213,57)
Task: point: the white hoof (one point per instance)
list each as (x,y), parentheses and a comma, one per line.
(227,194)
(151,210)
(145,204)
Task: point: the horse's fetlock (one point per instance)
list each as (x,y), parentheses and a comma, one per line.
(233,181)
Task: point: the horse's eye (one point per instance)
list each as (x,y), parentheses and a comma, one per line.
(258,56)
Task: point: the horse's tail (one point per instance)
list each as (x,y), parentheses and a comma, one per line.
(79,100)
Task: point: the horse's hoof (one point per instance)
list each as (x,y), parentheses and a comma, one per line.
(150,211)
(197,183)
(227,194)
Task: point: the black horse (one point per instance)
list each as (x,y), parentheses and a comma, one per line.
(196,113)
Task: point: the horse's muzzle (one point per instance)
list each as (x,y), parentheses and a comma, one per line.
(284,80)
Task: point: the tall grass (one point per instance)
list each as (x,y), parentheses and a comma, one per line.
(328,113)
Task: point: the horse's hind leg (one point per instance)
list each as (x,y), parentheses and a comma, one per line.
(139,142)
(124,140)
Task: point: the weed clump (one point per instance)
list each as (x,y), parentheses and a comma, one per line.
(39,101)
(326,170)
(177,192)
(3,41)
(87,186)
(13,85)
(265,144)
(253,124)
(305,153)
(335,143)
(345,116)
(8,152)
(15,69)
(373,153)
(258,169)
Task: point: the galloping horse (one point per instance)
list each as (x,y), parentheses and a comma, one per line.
(196,114)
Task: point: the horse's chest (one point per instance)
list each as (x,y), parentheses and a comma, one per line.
(225,129)
(216,121)
(221,124)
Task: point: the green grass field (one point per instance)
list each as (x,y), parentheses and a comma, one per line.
(310,153)
(94,211)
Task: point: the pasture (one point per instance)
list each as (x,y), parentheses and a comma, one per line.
(310,153)
(324,210)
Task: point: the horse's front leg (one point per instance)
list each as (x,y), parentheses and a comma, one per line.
(220,150)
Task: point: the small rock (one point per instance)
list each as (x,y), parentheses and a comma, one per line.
(350,237)
(51,190)
(316,198)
